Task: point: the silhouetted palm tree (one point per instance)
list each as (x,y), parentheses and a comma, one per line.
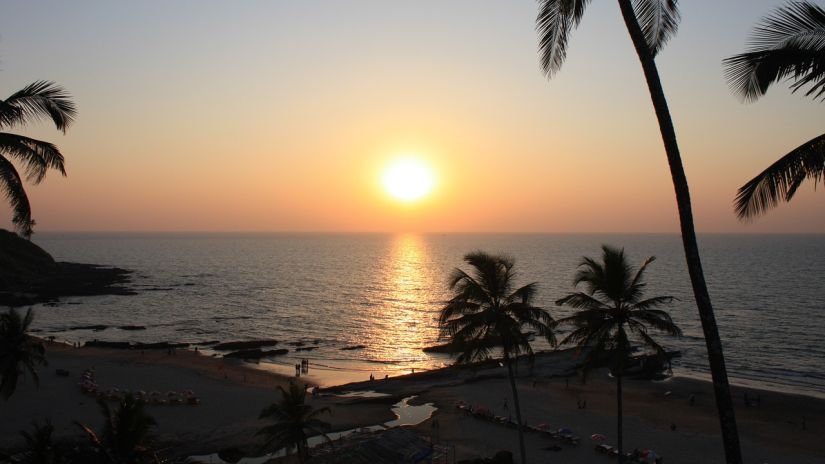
(19,353)
(40,100)
(787,44)
(651,23)
(486,311)
(295,422)
(39,447)
(125,436)
(610,307)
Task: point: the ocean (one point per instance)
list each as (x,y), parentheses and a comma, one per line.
(384,292)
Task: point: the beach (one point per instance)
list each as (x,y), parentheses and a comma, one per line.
(232,395)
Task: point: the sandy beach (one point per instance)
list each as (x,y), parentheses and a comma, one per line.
(232,395)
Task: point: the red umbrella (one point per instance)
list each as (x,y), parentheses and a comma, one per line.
(597,437)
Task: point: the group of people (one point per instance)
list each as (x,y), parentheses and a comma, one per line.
(302,367)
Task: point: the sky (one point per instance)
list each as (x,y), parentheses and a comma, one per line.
(281,115)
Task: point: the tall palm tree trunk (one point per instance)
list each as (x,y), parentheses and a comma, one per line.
(619,415)
(721,388)
(516,404)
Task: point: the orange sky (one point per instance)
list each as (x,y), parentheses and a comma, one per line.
(278,116)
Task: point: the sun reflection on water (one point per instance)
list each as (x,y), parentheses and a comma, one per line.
(406,321)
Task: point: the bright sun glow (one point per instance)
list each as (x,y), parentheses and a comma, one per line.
(408,179)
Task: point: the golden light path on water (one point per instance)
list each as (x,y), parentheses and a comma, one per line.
(409,283)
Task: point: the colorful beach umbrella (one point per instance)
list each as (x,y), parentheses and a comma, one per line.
(597,437)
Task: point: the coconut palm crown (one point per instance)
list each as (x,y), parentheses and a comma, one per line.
(488,312)
(786,45)
(19,353)
(294,422)
(612,310)
(37,101)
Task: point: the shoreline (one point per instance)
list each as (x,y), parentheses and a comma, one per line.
(233,395)
(340,372)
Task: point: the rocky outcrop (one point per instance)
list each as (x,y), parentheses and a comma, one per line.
(354,347)
(136,346)
(29,275)
(256,353)
(244,345)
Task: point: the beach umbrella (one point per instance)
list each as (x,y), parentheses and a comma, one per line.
(597,437)
(543,426)
(565,431)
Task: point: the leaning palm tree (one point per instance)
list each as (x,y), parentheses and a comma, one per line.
(19,352)
(787,44)
(487,311)
(39,100)
(294,420)
(125,436)
(611,310)
(651,23)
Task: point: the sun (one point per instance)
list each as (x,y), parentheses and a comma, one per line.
(408,179)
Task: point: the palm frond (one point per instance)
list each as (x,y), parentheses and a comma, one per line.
(42,100)
(8,114)
(12,186)
(555,20)
(659,320)
(581,301)
(647,340)
(659,20)
(636,287)
(455,308)
(788,43)
(37,155)
(492,273)
(781,179)
(524,294)
(466,287)
(651,303)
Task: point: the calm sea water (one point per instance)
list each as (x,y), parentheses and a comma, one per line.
(384,292)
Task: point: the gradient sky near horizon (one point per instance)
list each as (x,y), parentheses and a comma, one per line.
(279,116)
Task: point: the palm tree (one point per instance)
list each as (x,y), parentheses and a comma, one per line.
(40,447)
(609,308)
(126,433)
(486,311)
(19,353)
(294,420)
(787,44)
(39,100)
(650,24)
